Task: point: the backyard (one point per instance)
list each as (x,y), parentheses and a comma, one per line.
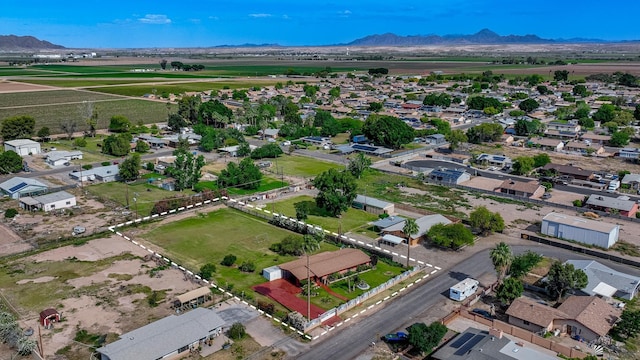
(293,165)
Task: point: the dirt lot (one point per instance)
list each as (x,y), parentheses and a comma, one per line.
(13,87)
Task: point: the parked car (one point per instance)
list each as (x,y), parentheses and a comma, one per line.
(546,195)
(396,337)
(483,313)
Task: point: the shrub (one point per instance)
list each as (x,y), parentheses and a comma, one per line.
(577,203)
(150,166)
(229,260)
(237,331)
(80,142)
(267,307)
(207,270)
(248,266)
(10,213)
(105,163)
(87,167)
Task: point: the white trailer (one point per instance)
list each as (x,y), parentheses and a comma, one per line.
(463,289)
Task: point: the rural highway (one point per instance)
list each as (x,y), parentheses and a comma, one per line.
(353,339)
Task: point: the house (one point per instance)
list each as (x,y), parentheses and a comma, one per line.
(48,317)
(528,189)
(317,140)
(371,149)
(103,174)
(153,142)
(324,264)
(563,126)
(629,153)
(435,139)
(570,171)
(565,135)
(233,150)
(494,160)
(584,147)
(172,336)
(584,317)
(592,232)
(48,202)
(424,224)
(476,344)
(546,144)
(17,187)
(373,205)
(192,139)
(622,204)
(270,133)
(451,176)
(596,138)
(23,147)
(388,221)
(633,180)
(605,281)
(58,158)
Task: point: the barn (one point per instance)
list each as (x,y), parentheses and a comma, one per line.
(48,317)
(22,147)
(373,205)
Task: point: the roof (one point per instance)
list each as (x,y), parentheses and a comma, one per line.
(53,197)
(48,312)
(447,174)
(388,221)
(326,263)
(194,294)
(610,202)
(435,136)
(271,132)
(392,239)
(493,157)
(530,310)
(592,136)
(21,142)
(61,154)
(629,178)
(592,312)
(529,187)
(369,201)
(18,184)
(424,224)
(568,169)
(598,273)
(599,226)
(582,145)
(164,336)
(545,142)
(465,284)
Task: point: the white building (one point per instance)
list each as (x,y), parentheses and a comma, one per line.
(58,158)
(17,187)
(582,230)
(22,146)
(48,202)
(101,174)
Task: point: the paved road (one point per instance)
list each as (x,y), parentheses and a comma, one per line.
(350,341)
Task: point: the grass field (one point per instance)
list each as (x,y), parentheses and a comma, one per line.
(51,97)
(294,165)
(266,184)
(87,82)
(140,90)
(350,220)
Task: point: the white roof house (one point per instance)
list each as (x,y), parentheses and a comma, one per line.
(173,335)
(424,224)
(22,146)
(48,202)
(102,173)
(17,187)
(57,158)
(605,281)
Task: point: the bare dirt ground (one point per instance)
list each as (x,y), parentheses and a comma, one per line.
(7,86)
(10,242)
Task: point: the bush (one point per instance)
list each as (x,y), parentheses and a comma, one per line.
(577,203)
(105,163)
(207,270)
(229,260)
(87,167)
(237,331)
(267,307)
(150,166)
(80,142)
(10,213)
(248,266)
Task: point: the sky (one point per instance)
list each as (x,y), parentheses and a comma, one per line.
(202,23)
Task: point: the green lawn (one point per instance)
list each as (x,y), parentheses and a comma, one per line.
(351,220)
(90,153)
(209,237)
(301,166)
(146,195)
(266,184)
(380,275)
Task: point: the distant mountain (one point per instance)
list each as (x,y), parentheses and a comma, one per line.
(484,36)
(13,42)
(248,46)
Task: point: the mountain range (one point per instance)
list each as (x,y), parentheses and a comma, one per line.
(13,42)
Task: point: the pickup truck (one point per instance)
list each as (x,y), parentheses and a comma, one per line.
(396,337)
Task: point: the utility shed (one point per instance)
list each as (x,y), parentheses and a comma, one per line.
(272,273)
(22,147)
(582,230)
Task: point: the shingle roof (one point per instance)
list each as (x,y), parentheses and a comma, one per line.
(533,312)
(326,263)
(592,312)
(522,186)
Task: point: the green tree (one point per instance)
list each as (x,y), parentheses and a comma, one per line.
(481,103)
(237,331)
(410,228)
(425,338)
(18,127)
(119,124)
(455,138)
(605,113)
(188,107)
(523,263)
(528,127)
(562,278)
(336,191)
(619,139)
(117,144)
(484,132)
(175,122)
(44,133)
(228,260)
(509,290)
(561,75)
(358,164)
(302,210)
(130,168)
(10,162)
(141,146)
(486,221)
(245,175)
(528,105)
(387,131)
(522,165)
(451,236)
(541,160)
(207,270)
(186,169)
(580,90)
(267,151)
(434,99)
(586,123)
(335,92)
(501,258)
(543,90)
(214,113)
(629,324)
(375,107)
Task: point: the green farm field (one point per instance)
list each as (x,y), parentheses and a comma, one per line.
(173,88)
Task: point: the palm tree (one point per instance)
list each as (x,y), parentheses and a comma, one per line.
(410,228)
(501,258)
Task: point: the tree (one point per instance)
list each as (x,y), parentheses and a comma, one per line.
(69,127)
(433,99)
(188,107)
(267,151)
(335,92)
(207,270)
(484,132)
(509,290)
(18,127)
(214,113)
(117,144)
(119,124)
(358,164)
(580,90)
(455,138)
(387,131)
(636,112)
(543,90)
(561,75)
(141,146)
(629,324)
(605,113)
(245,175)
(375,107)
(481,103)
(186,169)
(229,260)
(410,228)
(130,168)
(501,258)
(486,221)
(523,263)
(522,165)
(237,331)
(89,114)
(528,105)
(619,139)
(541,160)
(302,210)
(451,236)
(562,278)
(336,191)
(525,127)
(44,133)
(175,122)
(163,64)
(10,162)
(425,338)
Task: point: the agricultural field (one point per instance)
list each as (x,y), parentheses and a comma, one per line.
(87,83)
(45,98)
(180,88)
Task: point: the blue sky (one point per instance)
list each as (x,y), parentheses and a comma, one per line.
(147,23)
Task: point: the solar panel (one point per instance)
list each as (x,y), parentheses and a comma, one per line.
(498,158)
(469,345)
(364,147)
(461,340)
(17,187)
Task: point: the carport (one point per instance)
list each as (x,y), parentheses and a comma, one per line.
(391,240)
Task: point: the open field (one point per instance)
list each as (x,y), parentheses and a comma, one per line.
(180,88)
(84,83)
(43,98)
(294,165)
